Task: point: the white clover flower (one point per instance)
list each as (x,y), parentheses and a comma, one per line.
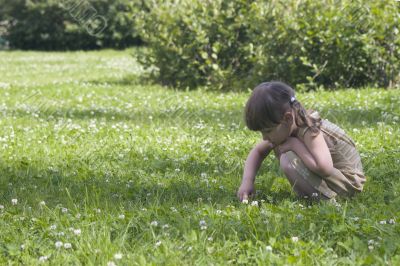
(268,248)
(58,244)
(111,263)
(219,212)
(67,245)
(295,239)
(254,203)
(43,258)
(14,201)
(118,256)
(202,223)
(78,216)
(53,227)
(392,221)
(1,207)
(77,232)
(154,223)
(203,175)
(210,238)
(64,210)
(204,227)
(165,226)
(158,243)
(314,195)
(121,216)
(245,201)
(22,246)
(382,222)
(173,209)
(371,242)
(42,203)
(370,248)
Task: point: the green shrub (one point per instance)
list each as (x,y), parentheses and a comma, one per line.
(235,44)
(69,24)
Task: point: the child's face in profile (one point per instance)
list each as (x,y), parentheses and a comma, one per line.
(280,133)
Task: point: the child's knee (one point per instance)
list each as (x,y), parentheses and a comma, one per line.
(285,163)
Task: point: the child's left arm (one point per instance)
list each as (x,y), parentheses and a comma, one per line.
(314,152)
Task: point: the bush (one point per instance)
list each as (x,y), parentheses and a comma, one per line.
(69,24)
(236,44)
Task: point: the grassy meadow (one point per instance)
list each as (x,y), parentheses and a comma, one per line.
(100,167)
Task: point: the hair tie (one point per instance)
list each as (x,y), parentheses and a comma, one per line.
(292,100)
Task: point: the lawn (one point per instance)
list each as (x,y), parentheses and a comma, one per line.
(101,167)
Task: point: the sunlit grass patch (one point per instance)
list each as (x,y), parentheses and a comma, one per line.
(99,168)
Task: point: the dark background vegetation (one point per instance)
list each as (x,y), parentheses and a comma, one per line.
(228,44)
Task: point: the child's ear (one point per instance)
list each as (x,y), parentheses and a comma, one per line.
(288,117)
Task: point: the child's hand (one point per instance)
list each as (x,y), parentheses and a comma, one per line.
(246,189)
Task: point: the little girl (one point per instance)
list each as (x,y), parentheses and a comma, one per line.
(317,157)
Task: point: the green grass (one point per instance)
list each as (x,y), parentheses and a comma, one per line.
(151,173)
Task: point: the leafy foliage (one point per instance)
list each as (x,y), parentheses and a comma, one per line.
(236,44)
(62,25)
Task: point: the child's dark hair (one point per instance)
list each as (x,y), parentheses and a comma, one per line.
(269,102)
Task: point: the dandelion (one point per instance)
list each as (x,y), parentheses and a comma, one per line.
(14,201)
(67,245)
(268,248)
(121,216)
(118,256)
(43,258)
(77,232)
(59,244)
(203,225)
(154,223)
(254,203)
(295,239)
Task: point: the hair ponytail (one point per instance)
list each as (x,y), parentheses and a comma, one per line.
(302,118)
(268,103)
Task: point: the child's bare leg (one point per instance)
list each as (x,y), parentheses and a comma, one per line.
(300,186)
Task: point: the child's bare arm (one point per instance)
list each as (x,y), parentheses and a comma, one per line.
(252,164)
(314,153)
